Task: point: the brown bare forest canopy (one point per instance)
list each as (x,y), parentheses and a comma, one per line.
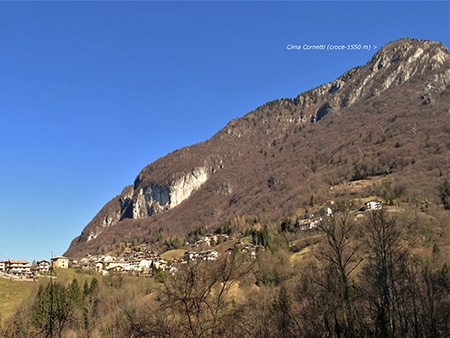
(388,118)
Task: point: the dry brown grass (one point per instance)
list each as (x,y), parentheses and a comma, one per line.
(171,254)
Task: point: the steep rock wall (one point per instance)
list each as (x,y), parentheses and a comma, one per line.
(145,199)
(155,198)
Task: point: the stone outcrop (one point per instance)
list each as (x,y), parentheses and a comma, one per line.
(153,198)
(145,199)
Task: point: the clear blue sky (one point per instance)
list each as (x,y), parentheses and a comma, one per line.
(91,92)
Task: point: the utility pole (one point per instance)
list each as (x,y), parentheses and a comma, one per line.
(51,297)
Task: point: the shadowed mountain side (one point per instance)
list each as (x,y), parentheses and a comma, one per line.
(389,117)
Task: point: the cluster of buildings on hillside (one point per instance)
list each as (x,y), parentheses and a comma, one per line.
(23,269)
(209,239)
(130,262)
(312,222)
(144,261)
(139,262)
(309,223)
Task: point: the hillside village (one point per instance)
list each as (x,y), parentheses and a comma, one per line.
(145,261)
(142,262)
(139,262)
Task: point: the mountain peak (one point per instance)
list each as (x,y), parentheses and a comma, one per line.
(394,64)
(420,55)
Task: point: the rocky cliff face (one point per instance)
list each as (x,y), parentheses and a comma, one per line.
(149,200)
(264,160)
(391,66)
(145,199)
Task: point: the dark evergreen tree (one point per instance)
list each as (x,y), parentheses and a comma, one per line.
(74,294)
(52,310)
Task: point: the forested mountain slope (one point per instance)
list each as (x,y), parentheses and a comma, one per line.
(390,117)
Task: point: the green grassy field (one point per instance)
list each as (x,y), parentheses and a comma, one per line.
(12,294)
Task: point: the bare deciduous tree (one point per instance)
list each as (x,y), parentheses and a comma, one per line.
(199,292)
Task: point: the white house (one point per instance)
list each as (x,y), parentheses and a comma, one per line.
(43,265)
(144,264)
(99,267)
(140,265)
(18,267)
(373,205)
